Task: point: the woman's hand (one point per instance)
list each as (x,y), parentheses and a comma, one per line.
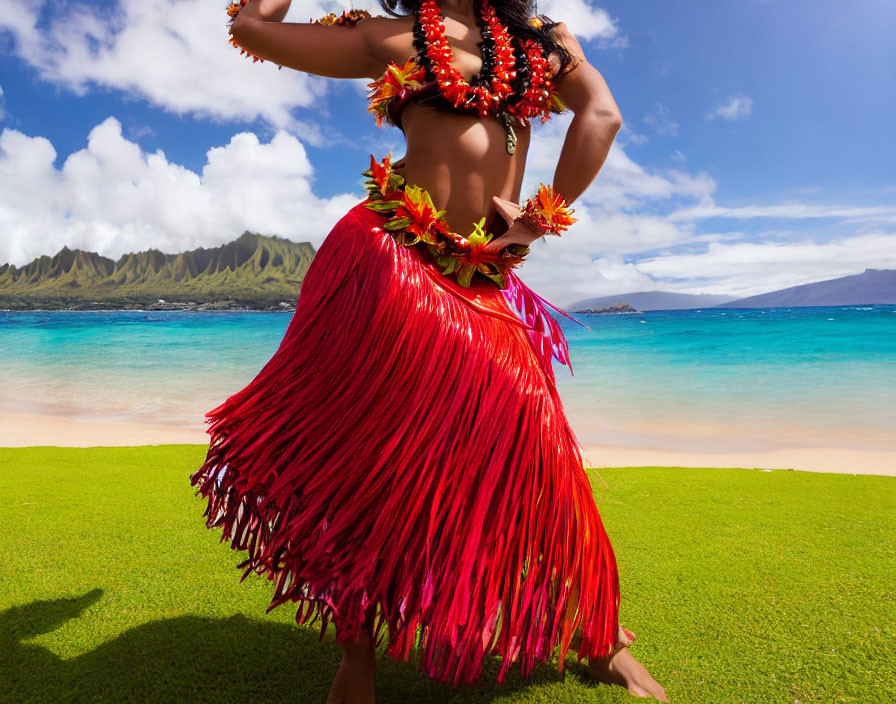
(517,233)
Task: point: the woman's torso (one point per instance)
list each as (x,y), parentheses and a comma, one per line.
(460,159)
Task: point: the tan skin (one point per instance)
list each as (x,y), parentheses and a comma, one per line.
(468,173)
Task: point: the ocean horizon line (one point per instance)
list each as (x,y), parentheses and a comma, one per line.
(858,306)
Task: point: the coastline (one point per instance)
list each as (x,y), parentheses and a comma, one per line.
(25,430)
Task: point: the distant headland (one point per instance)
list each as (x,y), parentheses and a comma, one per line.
(871,287)
(254,272)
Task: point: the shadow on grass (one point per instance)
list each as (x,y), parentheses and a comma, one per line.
(192,658)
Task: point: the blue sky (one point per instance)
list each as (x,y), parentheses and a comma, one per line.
(757,152)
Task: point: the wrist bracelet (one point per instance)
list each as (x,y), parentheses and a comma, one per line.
(233,10)
(530,222)
(348,18)
(547,211)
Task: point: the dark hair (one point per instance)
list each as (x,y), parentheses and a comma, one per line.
(515,14)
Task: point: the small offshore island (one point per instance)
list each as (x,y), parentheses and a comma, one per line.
(621,307)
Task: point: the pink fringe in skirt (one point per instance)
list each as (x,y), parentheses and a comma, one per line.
(403,464)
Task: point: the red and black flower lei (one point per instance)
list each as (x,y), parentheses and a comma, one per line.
(515,73)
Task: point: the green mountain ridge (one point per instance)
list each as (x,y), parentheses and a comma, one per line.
(253,271)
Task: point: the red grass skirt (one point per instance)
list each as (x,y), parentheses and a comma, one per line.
(403,464)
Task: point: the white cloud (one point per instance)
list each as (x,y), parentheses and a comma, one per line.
(795,210)
(585,21)
(622,184)
(113,198)
(748,268)
(660,118)
(627,136)
(735,108)
(174,53)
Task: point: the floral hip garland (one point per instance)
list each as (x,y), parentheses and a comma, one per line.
(413,219)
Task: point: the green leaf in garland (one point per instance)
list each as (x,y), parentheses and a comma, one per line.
(408,239)
(384,205)
(499,279)
(465,275)
(396,181)
(448,263)
(436,250)
(397,223)
(476,239)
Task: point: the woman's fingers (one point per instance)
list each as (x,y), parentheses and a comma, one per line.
(517,234)
(506,209)
(496,244)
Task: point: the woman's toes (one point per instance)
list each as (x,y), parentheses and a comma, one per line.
(622,668)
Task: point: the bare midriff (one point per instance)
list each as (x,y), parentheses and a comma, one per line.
(462,161)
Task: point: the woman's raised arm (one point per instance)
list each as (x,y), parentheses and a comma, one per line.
(332,51)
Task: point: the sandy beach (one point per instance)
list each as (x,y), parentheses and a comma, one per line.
(25,430)
(840,460)
(22,430)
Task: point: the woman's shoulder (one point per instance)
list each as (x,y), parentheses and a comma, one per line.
(391,39)
(387,37)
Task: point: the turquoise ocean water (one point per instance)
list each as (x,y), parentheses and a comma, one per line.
(739,379)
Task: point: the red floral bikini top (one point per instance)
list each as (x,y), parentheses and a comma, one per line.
(514,84)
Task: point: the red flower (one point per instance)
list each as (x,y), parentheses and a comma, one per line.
(381,173)
(394,81)
(418,216)
(550,209)
(383,184)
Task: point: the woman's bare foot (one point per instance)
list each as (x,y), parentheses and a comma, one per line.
(623,669)
(354,679)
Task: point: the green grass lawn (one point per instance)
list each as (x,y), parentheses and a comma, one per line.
(742,585)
